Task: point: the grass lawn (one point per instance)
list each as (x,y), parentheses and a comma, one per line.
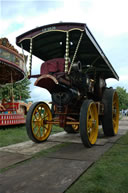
(109,174)
(13,134)
(16,134)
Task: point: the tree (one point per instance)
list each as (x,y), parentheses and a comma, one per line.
(19,90)
(123,98)
(5,92)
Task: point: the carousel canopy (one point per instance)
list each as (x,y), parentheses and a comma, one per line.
(12,67)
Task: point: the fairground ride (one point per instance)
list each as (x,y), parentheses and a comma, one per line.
(12,69)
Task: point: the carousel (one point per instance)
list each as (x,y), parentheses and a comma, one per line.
(12,69)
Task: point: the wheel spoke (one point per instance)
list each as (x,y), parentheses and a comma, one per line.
(38,131)
(44,118)
(91,113)
(89,123)
(35,124)
(45,127)
(37,115)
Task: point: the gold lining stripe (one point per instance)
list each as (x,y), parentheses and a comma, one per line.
(50,31)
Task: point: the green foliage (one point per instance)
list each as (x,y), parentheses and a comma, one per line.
(20,90)
(5,92)
(123,98)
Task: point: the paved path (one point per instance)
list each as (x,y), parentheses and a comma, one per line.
(54,172)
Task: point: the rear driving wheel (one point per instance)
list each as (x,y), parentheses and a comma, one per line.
(38,129)
(88,123)
(110,120)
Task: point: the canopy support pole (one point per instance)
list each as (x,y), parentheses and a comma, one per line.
(30,59)
(67,52)
(77,47)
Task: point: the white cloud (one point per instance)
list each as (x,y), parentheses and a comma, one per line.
(123,82)
(109,16)
(39,94)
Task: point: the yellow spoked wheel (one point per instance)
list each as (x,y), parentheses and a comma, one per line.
(110,120)
(38,129)
(89,123)
(71,128)
(115,113)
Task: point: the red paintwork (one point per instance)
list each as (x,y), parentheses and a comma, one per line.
(47,81)
(53,66)
(10,116)
(50,72)
(11,106)
(11,119)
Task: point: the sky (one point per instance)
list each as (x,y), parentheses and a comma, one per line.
(106,19)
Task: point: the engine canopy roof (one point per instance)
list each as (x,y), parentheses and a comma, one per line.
(49,42)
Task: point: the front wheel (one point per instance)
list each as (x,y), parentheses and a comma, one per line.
(89,123)
(38,129)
